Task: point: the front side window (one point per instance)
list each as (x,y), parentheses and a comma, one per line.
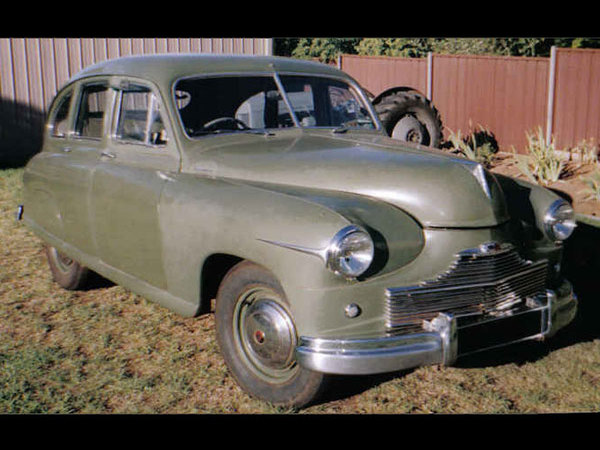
(140,120)
(92,108)
(226,104)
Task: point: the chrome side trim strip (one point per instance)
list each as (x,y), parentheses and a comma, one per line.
(318,252)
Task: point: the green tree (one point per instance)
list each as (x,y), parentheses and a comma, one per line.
(324,49)
(328,49)
(284,46)
(405,47)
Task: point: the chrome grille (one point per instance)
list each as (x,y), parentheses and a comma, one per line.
(488,280)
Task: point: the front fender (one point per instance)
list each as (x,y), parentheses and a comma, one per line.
(201,216)
(527,204)
(398,237)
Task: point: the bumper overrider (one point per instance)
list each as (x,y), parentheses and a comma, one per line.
(442,339)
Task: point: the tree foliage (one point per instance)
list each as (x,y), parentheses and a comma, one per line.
(324,49)
(328,49)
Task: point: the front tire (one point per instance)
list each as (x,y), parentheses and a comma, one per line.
(67,272)
(257,338)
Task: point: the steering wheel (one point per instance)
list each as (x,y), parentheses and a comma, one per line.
(225,123)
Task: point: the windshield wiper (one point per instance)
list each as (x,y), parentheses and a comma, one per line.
(201,132)
(261,132)
(249,130)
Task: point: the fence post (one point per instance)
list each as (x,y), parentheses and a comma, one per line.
(551,91)
(268,46)
(429,75)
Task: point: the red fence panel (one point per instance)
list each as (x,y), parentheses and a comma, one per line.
(505,95)
(377,73)
(577,97)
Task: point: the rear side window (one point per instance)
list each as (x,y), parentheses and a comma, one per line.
(58,121)
(92,108)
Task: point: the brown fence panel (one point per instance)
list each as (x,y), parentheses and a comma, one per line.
(378,73)
(507,96)
(577,97)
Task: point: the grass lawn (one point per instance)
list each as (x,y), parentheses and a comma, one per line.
(107,350)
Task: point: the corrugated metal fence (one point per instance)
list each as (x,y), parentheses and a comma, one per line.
(509,96)
(33,69)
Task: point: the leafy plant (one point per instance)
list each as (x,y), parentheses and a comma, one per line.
(542,164)
(479,146)
(593,183)
(586,152)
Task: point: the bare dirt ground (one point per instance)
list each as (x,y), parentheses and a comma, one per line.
(572,183)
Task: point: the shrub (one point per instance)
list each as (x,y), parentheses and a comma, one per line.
(480,145)
(542,164)
(586,152)
(593,183)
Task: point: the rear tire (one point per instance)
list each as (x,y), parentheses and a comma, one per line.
(67,272)
(410,116)
(257,338)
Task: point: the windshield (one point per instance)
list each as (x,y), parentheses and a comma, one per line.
(225,104)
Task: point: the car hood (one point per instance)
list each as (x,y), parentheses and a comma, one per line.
(437,189)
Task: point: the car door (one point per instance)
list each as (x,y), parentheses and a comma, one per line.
(128,180)
(75,135)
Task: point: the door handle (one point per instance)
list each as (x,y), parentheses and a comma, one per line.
(108,155)
(164,176)
(66,149)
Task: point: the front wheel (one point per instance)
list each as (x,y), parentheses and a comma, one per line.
(257,338)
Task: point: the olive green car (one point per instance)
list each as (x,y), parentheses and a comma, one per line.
(269,185)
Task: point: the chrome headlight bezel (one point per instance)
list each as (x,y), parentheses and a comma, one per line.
(559,220)
(339,257)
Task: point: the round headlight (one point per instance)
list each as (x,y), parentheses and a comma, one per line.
(559,220)
(350,252)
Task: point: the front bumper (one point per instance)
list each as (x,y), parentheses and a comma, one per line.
(443,339)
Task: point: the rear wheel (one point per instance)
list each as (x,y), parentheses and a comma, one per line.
(67,272)
(257,337)
(410,116)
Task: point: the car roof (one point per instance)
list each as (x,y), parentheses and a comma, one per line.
(162,68)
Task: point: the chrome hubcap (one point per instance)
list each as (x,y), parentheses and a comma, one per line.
(265,334)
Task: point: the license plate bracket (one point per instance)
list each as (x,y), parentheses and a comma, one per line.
(483,334)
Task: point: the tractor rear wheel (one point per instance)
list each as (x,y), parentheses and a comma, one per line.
(410,116)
